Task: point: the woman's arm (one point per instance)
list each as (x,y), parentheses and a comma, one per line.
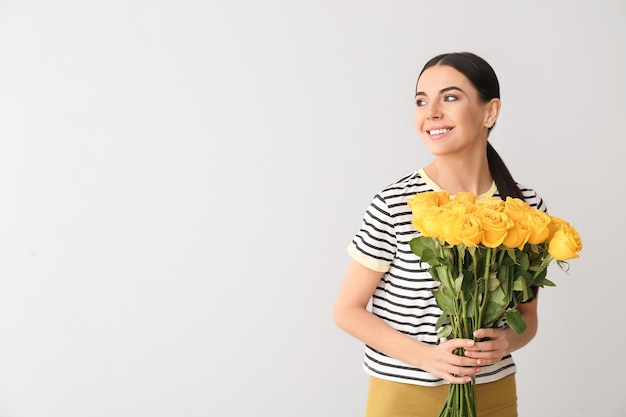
(351,315)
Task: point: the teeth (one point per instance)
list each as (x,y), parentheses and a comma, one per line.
(438,131)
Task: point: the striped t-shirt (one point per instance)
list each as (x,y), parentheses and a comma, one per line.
(403,297)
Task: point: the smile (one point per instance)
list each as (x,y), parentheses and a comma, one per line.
(438,131)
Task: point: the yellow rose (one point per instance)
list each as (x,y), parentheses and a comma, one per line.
(565,244)
(466,197)
(429,221)
(517,236)
(418,218)
(464,206)
(516,208)
(539,226)
(467,230)
(495,225)
(555,225)
(428,199)
(493,203)
(448,219)
(421,202)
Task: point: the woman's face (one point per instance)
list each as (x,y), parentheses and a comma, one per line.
(449,114)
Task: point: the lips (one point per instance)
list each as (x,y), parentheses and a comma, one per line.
(434,132)
(438,132)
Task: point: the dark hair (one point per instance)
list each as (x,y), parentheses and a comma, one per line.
(484,79)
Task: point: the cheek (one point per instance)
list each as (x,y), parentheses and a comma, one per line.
(418,120)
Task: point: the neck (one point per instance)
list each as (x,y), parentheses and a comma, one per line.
(455,176)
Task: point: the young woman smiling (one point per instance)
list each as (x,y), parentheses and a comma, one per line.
(386,299)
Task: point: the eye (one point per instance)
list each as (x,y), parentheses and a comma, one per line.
(449,97)
(420,102)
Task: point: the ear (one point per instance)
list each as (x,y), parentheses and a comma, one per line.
(492,111)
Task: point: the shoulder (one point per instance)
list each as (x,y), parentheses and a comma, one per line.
(532,198)
(404,187)
(392,199)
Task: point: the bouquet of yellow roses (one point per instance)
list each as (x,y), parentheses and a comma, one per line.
(488,255)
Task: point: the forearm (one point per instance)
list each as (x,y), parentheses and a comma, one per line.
(374,332)
(350,314)
(518,341)
(529,314)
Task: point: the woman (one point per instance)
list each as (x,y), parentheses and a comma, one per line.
(457,104)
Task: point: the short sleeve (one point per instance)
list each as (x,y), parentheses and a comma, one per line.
(374,245)
(533,199)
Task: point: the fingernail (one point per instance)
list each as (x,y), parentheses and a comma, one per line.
(470,342)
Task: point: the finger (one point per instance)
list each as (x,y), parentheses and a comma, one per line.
(486,346)
(453,344)
(458,379)
(484,360)
(482,352)
(484,357)
(464,373)
(483,333)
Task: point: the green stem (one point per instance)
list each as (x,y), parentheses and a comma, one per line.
(501,257)
(465,331)
(485,299)
(544,264)
(477,301)
(460,400)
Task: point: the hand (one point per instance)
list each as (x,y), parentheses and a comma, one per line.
(441,361)
(495,346)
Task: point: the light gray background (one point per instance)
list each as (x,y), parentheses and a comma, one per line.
(179,181)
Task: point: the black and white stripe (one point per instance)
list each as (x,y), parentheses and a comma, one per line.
(403,298)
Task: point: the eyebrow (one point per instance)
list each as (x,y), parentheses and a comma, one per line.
(443,90)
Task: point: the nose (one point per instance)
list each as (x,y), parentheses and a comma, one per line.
(434,112)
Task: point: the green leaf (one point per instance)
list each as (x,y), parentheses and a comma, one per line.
(441,320)
(545,282)
(520,285)
(509,259)
(505,276)
(445,331)
(523,261)
(512,254)
(493,313)
(497,304)
(538,278)
(441,273)
(470,308)
(434,273)
(460,249)
(458,283)
(516,321)
(498,297)
(426,248)
(494,283)
(445,302)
